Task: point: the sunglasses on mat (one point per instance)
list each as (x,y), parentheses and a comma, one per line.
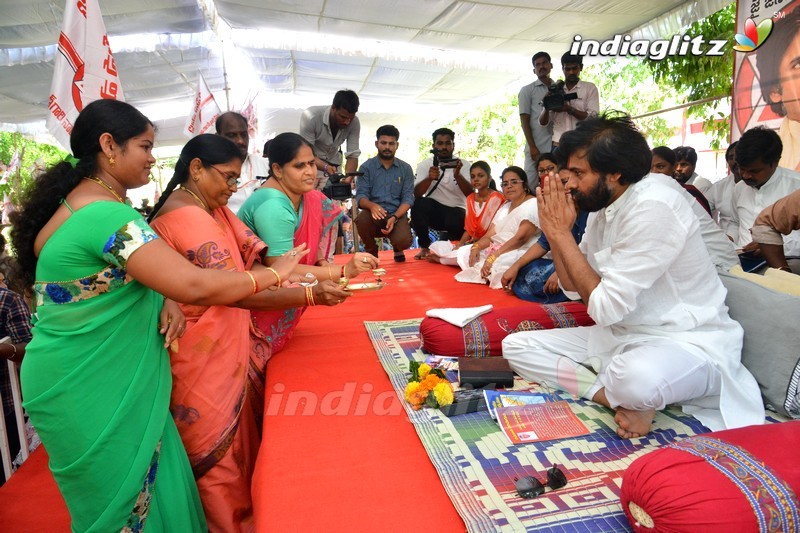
(530,487)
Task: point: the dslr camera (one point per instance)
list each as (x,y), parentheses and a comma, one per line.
(557,97)
(444,163)
(335,189)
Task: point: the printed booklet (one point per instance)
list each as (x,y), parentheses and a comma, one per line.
(508,398)
(538,422)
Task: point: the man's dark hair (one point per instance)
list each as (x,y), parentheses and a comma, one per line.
(537,55)
(346,99)
(758,143)
(612,144)
(444,131)
(227,115)
(731,148)
(568,58)
(686,153)
(666,153)
(770,55)
(389,131)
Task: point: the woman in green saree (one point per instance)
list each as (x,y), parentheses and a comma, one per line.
(96,376)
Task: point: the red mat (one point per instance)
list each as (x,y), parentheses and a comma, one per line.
(338,454)
(365,470)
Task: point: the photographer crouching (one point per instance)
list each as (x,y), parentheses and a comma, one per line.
(570,101)
(440,191)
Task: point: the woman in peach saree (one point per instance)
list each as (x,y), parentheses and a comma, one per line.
(219,364)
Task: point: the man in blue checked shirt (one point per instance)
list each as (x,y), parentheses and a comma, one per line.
(384,194)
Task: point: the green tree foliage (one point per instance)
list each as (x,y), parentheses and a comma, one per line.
(628,85)
(490,132)
(701,77)
(34,157)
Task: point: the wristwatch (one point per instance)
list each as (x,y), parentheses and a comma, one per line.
(395,216)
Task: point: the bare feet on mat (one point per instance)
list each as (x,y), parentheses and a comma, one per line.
(424,253)
(633,424)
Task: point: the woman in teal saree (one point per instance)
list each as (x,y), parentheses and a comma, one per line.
(96,376)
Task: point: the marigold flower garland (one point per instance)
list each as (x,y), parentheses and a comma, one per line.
(427,386)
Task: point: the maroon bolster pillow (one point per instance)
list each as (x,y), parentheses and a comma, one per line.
(483,337)
(742,479)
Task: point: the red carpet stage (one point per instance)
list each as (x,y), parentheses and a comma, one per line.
(338,453)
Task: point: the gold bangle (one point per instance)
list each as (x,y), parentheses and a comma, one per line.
(490,259)
(310,297)
(253,279)
(330,272)
(277,276)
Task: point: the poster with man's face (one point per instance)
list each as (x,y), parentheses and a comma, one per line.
(766,88)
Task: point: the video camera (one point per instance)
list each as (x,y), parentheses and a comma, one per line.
(443,163)
(335,189)
(557,97)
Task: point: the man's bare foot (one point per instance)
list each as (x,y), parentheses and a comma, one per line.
(633,424)
(424,253)
(433,258)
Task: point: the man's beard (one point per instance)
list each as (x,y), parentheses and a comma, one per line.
(386,157)
(596,199)
(681,177)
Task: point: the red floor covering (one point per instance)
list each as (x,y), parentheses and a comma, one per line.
(338,452)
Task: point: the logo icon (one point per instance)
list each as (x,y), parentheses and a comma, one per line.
(754,36)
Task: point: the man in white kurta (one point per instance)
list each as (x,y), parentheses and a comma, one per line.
(763,183)
(663,334)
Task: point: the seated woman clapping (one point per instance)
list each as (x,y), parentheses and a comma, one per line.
(482,205)
(513,231)
(287,211)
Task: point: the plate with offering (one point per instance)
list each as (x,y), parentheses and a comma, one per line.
(368,286)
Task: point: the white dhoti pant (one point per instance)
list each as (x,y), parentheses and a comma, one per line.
(645,375)
(448,254)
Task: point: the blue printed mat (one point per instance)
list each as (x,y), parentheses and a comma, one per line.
(478,466)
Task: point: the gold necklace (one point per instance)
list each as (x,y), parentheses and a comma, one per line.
(107,186)
(199,200)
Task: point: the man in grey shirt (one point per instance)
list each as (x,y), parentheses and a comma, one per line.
(327,128)
(538,138)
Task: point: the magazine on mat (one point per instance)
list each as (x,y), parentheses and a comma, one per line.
(544,421)
(508,398)
(448,364)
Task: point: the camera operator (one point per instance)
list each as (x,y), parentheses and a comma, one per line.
(566,117)
(440,192)
(327,128)
(385,193)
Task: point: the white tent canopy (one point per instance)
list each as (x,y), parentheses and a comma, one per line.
(414,63)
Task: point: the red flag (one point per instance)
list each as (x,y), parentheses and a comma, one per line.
(204,110)
(84,68)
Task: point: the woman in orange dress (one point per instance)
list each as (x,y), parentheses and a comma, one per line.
(482,205)
(219,365)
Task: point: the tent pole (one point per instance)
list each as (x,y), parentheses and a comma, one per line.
(225,80)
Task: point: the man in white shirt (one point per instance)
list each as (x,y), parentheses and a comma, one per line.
(763,183)
(233,126)
(587,103)
(441,188)
(685,163)
(327,128)
(538,138)
(663,334)
(720,195)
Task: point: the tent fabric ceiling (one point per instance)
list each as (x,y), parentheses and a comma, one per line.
(412,62)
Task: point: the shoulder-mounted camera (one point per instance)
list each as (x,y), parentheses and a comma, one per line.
(557,97)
